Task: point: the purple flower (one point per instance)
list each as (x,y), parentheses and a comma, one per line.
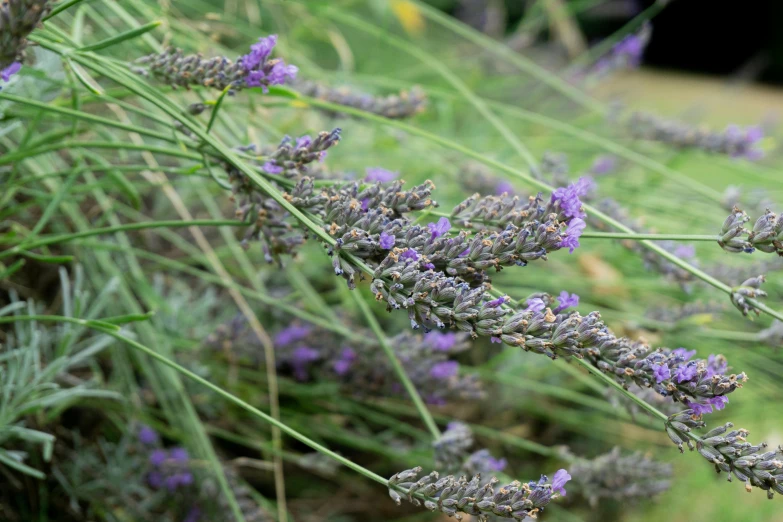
(494,339)
(440,228)
(559,481)
(387,241)
(603,165)
(497,302)
(464,252)
(380,175)
(444,369)
(429,266)
(716,365)
(291,334)
(441,342)
(259,52)
(698,408)
(271,167)
(496,465)
(566,300)
(685,354)
(719,402)
(661,372)
(147,435)
(686,372)
(301,357)
(573,232)
(179,455)
(9,71)
(343,364)
(568,197)
(158,457)
(535,305)
(304,141)
(504,187)
(279,73)
(410,254)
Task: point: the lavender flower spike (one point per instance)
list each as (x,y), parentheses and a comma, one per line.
(451,495)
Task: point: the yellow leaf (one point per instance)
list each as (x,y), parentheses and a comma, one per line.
(409,16)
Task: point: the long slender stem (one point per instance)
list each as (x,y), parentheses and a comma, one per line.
(425,414)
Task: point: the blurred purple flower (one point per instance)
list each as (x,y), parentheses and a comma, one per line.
(343,364)
(499,301)
(147,435)
(179,455)
(559,481)
(291,334)
(444,369)
(719,402)
(158,457)
(603,165)
(377,174)
(573,232)
(271,168)
(441,342)
(504,187)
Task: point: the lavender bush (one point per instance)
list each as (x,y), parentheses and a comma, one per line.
(211,311)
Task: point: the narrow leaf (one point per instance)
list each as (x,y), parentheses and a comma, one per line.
(127,35)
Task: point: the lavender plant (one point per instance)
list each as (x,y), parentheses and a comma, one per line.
(99,185)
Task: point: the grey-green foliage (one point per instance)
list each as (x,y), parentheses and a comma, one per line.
(46,369)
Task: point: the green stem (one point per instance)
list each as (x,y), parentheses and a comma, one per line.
(650,237)
(425,414)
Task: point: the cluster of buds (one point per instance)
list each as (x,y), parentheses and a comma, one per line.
(397,106)
(454,496)
(308,353)
(254,69)
(434,300)
(750,288)
(731,453)
(733,141)
(766,235)
(18,18)
(620,477)
(271,224)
